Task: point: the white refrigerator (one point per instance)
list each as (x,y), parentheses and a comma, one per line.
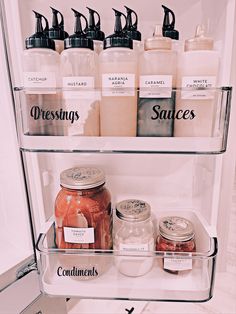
(186,176)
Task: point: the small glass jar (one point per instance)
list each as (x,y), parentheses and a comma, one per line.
(176,235)
(83,210)
(135,236)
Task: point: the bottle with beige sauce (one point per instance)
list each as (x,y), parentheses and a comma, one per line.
(118,75)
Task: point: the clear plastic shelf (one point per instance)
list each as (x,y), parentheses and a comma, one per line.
(42,131)
(97,273)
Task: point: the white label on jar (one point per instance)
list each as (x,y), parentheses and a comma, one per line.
(155,86)
(118,84)
(177,264)
(134,247)
(198,82)
(78,235)
(39,80)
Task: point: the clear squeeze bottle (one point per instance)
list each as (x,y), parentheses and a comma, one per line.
(197,68)
(157,76)
(56,32)
(132,30)
(79,71)
(118,74)
(40,77)
(94,32)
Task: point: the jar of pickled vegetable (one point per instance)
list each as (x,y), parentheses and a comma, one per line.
(176,235)
(83,210)
(83,219)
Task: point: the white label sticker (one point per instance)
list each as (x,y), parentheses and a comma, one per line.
(78,82)
(198,82)
(80,87)
(176,264)
(118,84)
(155,86)
(39,80)
(79,235)
(134,247)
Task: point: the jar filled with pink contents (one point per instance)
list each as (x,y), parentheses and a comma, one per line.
(83,218)
(176,235)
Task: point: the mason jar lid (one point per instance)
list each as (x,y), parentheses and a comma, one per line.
(176,228)
(81,178)
(133,210)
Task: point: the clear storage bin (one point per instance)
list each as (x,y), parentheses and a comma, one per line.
(93,273)
(42,120)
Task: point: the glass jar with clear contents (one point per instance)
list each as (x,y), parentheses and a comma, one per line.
(176,235)
(134,236)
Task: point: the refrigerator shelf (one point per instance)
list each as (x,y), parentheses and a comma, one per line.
(42,136)
(194,285)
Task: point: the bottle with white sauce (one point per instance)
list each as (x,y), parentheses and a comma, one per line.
(135,236)
(118,75)
(79,71)
(197,68)
(132,30)
(157,77)
(94,31)
(56,32)
(40,79)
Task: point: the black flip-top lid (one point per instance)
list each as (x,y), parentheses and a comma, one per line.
(40,39)
(168,29)
(79,38)
(119,39)
(132,28)
(57,30)
(94,30)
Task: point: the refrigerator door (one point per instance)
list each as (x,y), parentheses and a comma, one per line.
(16,245)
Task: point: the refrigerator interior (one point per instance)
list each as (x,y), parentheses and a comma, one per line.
(170,183)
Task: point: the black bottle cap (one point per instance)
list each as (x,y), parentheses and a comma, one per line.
(119,39)
(57,30)
(168,29)
(40,39)
(79,38)
(132,28)
(94,30)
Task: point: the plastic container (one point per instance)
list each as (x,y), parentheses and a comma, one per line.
(197,68)
(79,71)
(118,74)
(41,73)
(157,77)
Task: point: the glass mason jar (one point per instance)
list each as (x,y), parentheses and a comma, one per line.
(176,235)
(83,217)
(134,238)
